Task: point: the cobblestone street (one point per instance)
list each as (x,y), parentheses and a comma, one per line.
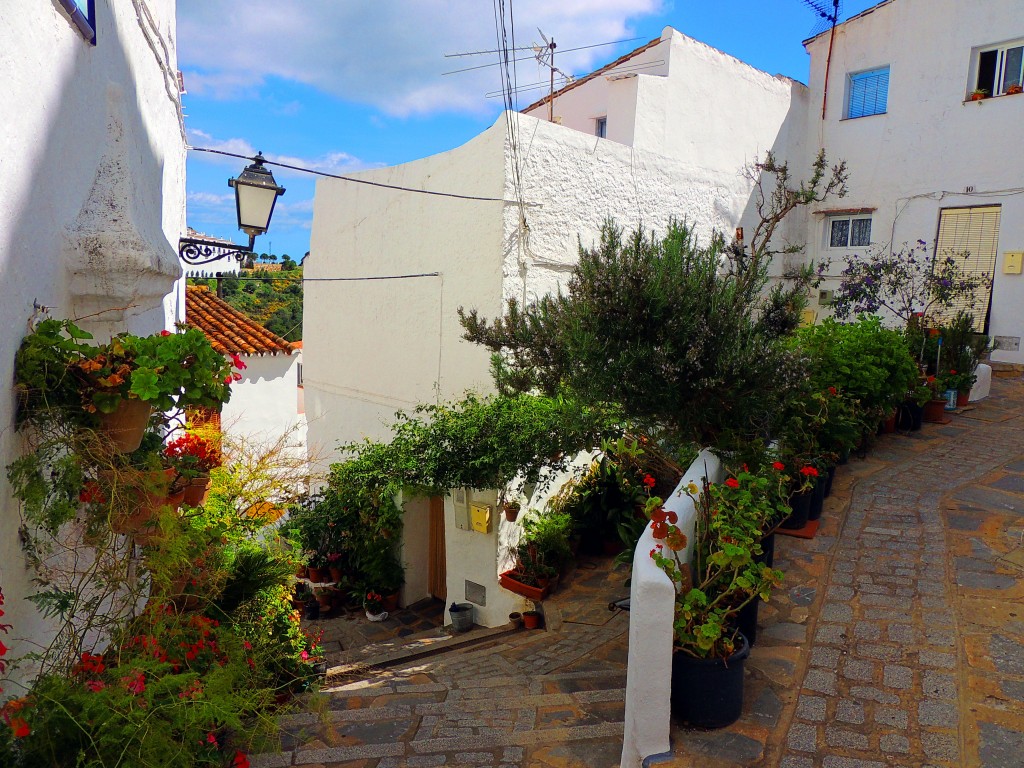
(897,640)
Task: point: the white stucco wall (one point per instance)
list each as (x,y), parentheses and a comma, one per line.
(92,199)
(264,404)
(931,145)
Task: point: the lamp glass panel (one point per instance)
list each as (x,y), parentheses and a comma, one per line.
(254,206)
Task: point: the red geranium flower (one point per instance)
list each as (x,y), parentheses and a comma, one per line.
(649,481)
(778,465)
(659,530)
(809,471)
(732,482)
(240,760)
(165,332)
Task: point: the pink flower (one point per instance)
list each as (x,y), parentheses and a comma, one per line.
(238,362)
(95,685)
(304,655)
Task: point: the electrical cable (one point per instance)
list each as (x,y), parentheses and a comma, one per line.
(351,178)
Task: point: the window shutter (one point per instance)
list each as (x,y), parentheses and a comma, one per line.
(869,93)
(975,231)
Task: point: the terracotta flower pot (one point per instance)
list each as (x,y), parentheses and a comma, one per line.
(148,500)
(511,512)
(934,411)
(336,573)
(126,425)
(515,619)
(531,619)
(390,602)
(962,399)
(510,581)
(316,575)
(196,491)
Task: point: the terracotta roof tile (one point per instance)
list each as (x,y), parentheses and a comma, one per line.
(229,331)
(595,73)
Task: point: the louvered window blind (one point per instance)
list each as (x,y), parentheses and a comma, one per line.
(974,231)
(869,93)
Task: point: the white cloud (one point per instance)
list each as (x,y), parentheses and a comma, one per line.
(338,163)
(389,55)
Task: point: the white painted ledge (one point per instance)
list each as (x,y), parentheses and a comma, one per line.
(652,610)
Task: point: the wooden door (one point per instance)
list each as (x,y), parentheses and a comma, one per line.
(437,571)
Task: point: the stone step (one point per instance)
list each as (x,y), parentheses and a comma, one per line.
(500,728)
(368,660)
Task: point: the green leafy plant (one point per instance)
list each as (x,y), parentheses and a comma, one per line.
(58,372)
(725,574)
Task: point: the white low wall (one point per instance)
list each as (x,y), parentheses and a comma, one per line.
(651,613)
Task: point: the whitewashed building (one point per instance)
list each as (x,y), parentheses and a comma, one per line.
(264,405)
(926,162)
(91,206)
(511,207)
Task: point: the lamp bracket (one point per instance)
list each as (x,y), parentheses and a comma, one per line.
(195,251)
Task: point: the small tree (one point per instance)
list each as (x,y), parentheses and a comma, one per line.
(909,283)
(682,336)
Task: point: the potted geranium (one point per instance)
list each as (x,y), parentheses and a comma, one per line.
(192,456)
(373,604)
(117,385)
(978,94)
(725,576)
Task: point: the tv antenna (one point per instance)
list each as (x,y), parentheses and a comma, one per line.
(545,56)
(828,16)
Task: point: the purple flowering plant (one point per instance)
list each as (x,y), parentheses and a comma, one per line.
(911,283)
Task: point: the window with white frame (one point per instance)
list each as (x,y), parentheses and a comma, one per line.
(999,69)
(601,127)
(847,231)
(868,93)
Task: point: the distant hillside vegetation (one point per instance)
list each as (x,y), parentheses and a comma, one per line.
(272,299)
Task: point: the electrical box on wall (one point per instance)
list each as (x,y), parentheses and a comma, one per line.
(825,297)
(480,516)
(1012,262)
(461,504)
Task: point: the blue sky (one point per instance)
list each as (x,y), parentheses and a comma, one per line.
(342,85)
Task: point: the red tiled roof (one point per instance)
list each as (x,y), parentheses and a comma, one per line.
(229,331)
(595,73)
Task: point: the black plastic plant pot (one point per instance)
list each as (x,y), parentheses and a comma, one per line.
(829,479)
(708,693)
(800,504)
(746,621)
(767,555)
(911,416)
(817,499)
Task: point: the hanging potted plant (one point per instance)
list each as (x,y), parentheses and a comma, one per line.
(192,457)
(707,665)
(114,387)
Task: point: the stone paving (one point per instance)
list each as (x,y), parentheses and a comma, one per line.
(897,640)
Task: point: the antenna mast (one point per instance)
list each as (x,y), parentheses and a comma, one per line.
(829,17)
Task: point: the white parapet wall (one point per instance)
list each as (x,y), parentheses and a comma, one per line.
(651,613)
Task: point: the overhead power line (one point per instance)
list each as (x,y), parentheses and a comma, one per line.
(531,58)
(351,178)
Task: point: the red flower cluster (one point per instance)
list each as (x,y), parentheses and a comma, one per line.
(194,451)
(663,526)
(17,723)
(732,482)
(808,471)
(240,760)
(778,466)
(89,665)
(135,683)
(649,481)
(91,493)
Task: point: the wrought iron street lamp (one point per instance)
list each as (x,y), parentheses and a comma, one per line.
(256,192)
